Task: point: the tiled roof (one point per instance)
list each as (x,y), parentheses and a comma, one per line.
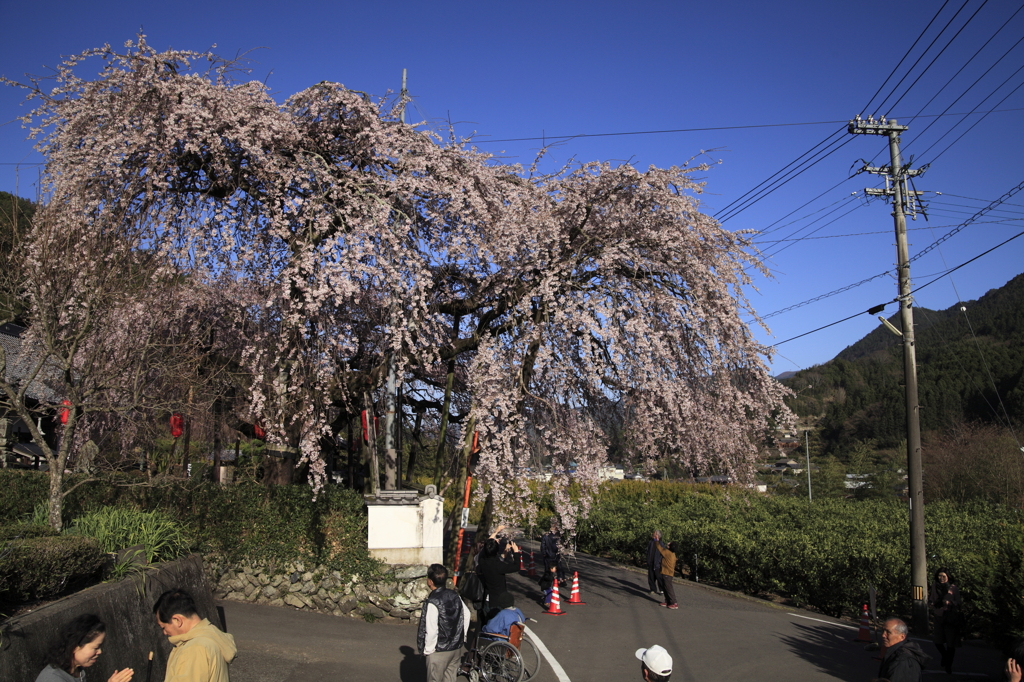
(18,365)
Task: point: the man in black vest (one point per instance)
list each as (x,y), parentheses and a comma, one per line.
(444,622)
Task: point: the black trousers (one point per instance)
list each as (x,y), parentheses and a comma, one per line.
(670,589)
(654,580)
(945,636)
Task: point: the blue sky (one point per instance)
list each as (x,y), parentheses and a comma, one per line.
(506,71)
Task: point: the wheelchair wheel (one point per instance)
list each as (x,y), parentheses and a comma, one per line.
(531,658)
(501,662)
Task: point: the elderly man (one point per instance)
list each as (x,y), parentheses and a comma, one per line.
(903,659)
(656,664)
(443,626)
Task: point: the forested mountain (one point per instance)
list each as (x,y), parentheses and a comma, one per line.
(15,217)
(970,367)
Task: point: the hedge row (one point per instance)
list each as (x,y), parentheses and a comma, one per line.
(243,522)
(824,554)
(44,567)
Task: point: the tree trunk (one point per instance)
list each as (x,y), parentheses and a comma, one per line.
(439,455)
(217,445)
(278,465)
(412,449)
(55,502)
(483,529)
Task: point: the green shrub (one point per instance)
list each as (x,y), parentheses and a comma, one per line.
(23,490)
(44,567)
(15,531)
(824,555)
(117,528)
(235,523)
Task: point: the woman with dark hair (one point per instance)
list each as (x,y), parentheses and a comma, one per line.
(76,648)
(945,602)
(493,566)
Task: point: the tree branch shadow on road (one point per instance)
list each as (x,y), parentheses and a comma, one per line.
(612,585)
(413,667)
(832,651)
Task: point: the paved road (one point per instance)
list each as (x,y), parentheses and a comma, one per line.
(713,636)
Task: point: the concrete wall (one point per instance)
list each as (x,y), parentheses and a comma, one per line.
(127,609)
(406,533)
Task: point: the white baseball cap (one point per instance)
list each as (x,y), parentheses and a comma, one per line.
(656,659)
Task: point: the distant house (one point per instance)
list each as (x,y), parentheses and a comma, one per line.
(715,480)
(611,473)
(16,446)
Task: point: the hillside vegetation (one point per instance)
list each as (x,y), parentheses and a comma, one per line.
(970,369)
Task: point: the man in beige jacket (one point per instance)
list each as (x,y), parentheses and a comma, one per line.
(201,652)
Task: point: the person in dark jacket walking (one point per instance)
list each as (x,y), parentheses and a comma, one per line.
(551,551)
(904,660)
(945,601)
(654,564)
(443,627)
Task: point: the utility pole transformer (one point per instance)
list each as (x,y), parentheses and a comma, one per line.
(905,201)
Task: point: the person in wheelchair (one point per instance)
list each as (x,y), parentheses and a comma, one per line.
(503,617)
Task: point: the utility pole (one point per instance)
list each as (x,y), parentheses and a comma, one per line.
(392,464)
(807,452)
(904,201)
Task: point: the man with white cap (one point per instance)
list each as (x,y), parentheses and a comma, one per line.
(657,664)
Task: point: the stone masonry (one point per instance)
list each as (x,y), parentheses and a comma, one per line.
(396,595)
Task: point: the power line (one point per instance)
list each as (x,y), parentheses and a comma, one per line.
(967,222)
(787,173)
(698,130)
(902,59)
(964,93)
(921,253)
(865,234)
(875,309)
(938,35)
(960,70)
(950,146)
(946,274)
(818,229)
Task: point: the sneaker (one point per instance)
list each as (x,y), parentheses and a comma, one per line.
(673,606)
(664,603)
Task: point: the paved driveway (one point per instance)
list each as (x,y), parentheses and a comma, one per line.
(713,636)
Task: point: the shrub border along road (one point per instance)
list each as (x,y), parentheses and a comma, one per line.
(823,555)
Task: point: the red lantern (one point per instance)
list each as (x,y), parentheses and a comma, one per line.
(177,425)
(65,413)
(258,431)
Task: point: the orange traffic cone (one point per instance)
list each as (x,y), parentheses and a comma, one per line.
(532,570)
(864,634)
(521,566)
(574,596)
(554,608)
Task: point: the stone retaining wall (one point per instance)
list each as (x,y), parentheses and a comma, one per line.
(397,595)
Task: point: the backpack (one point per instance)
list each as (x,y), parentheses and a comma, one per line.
(471,588)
